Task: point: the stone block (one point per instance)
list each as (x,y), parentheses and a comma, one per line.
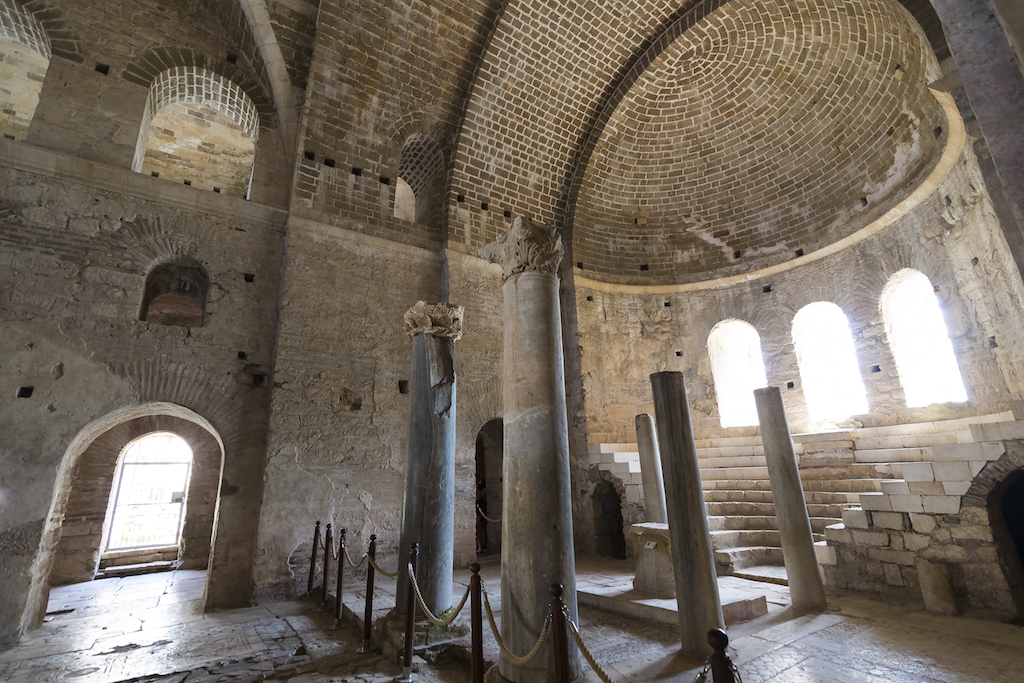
(971,531)
(936,588)
(870,538)
(945,553)
(856,518)
(911,503)
(922,524)
(955,488)
(895,487)
(838,533)
(76,529)
(941,505)
(927,488)
(915,542)
(825,553)
(903,557)
(893,576)
(952,471)
(888,520)
(974,515)
(989,450)
(918,471)
(998,431)
(875,501)
(976,467)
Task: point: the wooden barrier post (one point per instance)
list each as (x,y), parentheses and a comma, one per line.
(341,577)
(312,560)
(410,618)
(559,636)
(476,625)
(721,664)
(368,613)
(328,549)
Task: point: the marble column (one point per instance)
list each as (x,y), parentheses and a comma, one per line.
(805,586)
(693,558)
(650,470)
(428,511)
(537,543)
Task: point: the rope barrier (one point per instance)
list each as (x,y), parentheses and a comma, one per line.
(426,610)
(348,558)
(377,568)
(514,660)
(583,648)
(492,521)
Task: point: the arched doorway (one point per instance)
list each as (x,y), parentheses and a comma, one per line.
(489,462)
(1006,515)
(607,506)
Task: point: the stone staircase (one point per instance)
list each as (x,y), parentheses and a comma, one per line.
(836,468)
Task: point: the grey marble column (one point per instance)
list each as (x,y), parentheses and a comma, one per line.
(537,543)
(805,586)
(428,511)
(693,558)
(650,470)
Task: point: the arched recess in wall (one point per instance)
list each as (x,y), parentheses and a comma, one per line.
(738,368)
(175,294)
(184,420)
(420,188)
(199,128)
(827,359)
(88,509)
(25,53)
(919,341)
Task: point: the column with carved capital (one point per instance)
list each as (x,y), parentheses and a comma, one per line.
(536,519)
(428,512)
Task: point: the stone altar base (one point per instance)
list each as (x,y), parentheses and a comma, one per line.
(652,554)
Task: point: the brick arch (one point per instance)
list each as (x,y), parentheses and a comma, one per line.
(632,513)
(422,166)
(64,40)
(79,549)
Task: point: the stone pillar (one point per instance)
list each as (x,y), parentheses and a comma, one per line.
(428,511)
(805,586)
(693,559)
(650,470)
(537,543)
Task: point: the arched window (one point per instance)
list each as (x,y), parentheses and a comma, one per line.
(421,170)
(199,128)
(149,493)
(920,344)
(24,57)
(175,294)
(738,369)
(829,372)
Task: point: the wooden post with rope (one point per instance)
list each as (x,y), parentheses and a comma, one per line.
(368,613)
(328,549)
(559,637)
(341,577)
(719,661)
(410,618)
(312,559)
(476,625)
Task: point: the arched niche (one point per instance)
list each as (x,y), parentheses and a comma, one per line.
(421,171)
(175,293)
(738,368)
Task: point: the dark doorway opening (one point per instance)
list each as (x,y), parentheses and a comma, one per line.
(1012,506)
(607,506)
(489,461)
(1006,515)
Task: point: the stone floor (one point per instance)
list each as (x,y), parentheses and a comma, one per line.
(151,628)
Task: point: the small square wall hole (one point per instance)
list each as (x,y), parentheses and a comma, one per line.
(232,58)
(384,180)
(766,289)
(103,69)
(311,156)
(579,264)
(403,386)
(991,344)
(25,392)
(937,132)
(329,162)
(155,174)
(876,368)
(187,182)
(679,354)
(668,304)
(242,355)
(460,198)
(799,253)
(217,190)
(863,201)
(790,385)
(737,254)
(8,136)
(590,297)
(357,171)
(935,289)
(508,214)
(974,261)
(483,206)
(249,277)
(259,380)
(644,266)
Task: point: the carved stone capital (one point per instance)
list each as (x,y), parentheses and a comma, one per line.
(438,319)
(526,246)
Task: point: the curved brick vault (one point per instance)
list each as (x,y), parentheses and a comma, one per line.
(681,136)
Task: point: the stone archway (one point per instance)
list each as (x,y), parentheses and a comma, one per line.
(46,556)
(489,463)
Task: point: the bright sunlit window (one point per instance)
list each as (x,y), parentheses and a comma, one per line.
(149,493)
(920,343)
(831,379)
(738,369)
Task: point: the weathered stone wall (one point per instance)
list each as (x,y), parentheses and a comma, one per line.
(953,237)
(76,242)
